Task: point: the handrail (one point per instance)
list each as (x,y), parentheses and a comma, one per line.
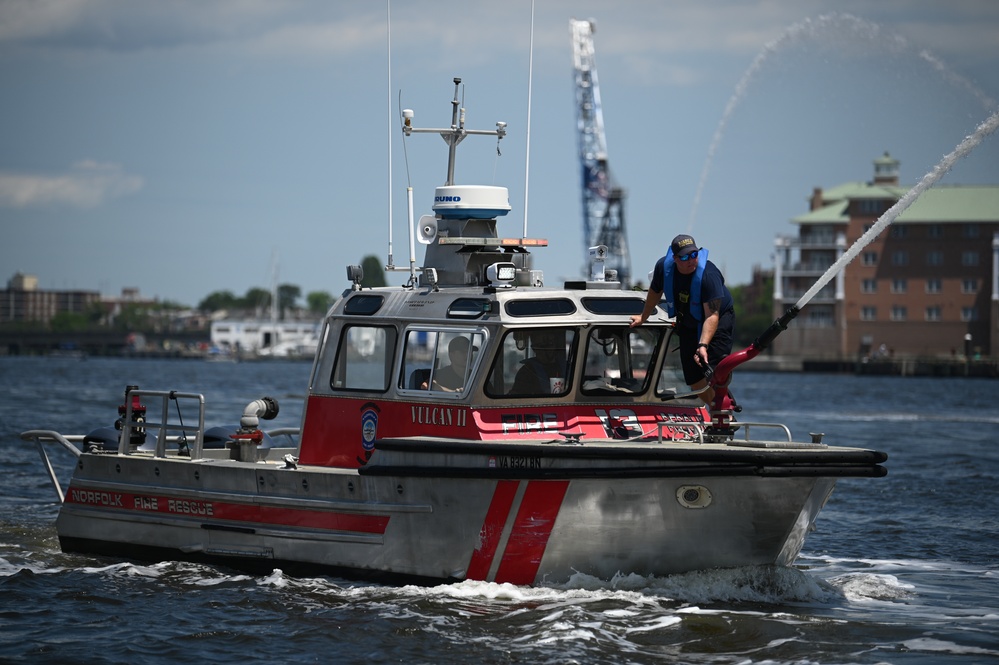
(73,443)
(40,436)
(290,432)
(700,429)
(128,422)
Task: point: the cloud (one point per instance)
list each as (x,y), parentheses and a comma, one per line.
(87,185)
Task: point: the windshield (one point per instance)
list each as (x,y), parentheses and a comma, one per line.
(620,359)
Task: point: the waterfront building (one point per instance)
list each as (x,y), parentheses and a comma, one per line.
(926,286)
(23,302)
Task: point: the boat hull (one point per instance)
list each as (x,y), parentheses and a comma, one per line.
(526,523)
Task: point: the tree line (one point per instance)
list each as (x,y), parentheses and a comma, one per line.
(316,302)
(753,305)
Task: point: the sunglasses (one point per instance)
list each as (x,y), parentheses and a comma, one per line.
(692,255)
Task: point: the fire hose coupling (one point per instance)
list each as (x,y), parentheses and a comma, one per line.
(265,407)
(254,436)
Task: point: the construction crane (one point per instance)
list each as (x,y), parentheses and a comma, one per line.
(603,200)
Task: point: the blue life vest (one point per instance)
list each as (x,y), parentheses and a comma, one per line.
(696,305)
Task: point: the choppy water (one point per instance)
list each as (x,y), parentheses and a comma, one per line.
(903,569)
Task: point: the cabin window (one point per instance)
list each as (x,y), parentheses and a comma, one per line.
(532,363)
(364,359)
(620,359)
(670,382)
(363,305)
(541,307)
(469,308)
(441,361)
(625,306)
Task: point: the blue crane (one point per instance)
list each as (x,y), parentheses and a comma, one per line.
(603,199)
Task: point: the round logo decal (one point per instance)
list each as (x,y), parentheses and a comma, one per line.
(369,428)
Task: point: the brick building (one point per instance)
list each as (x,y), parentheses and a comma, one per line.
(23,301)
(928,285)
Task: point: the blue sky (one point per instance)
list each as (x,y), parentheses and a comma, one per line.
(187,146)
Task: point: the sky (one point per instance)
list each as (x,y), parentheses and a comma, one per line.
(183,147)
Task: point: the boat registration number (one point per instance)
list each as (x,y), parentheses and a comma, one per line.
(519,462)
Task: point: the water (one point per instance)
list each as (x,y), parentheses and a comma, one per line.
(902,569)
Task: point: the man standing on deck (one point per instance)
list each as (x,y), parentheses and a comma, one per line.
(697,296)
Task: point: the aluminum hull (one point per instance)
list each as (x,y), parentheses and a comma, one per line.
(539,520)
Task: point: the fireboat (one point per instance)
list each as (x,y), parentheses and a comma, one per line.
(470,424)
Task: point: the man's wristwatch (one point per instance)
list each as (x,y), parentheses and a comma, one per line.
(702,344)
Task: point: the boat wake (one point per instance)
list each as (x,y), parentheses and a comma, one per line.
(585,619)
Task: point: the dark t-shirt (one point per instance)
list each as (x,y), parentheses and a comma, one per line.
(712,288)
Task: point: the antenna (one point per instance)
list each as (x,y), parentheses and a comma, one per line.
(530,87)
(388,107)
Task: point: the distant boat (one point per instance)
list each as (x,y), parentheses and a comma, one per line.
(256,338)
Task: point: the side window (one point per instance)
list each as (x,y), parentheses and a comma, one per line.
(364,358)
(618,359)
(440,361)
(671,377)
(534,362)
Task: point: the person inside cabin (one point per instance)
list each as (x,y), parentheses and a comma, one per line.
(544,372)
(705,316)
(451,378)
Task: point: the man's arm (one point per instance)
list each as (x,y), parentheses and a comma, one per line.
(708,328)
(652,299)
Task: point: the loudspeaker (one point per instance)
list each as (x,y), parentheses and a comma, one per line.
(428,229)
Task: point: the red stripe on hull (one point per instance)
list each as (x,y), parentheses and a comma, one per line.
(232,512)
(531,531)
(492,530)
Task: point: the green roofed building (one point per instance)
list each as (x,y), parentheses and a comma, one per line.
(928,285)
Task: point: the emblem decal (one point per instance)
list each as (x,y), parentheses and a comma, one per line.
(369,428)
